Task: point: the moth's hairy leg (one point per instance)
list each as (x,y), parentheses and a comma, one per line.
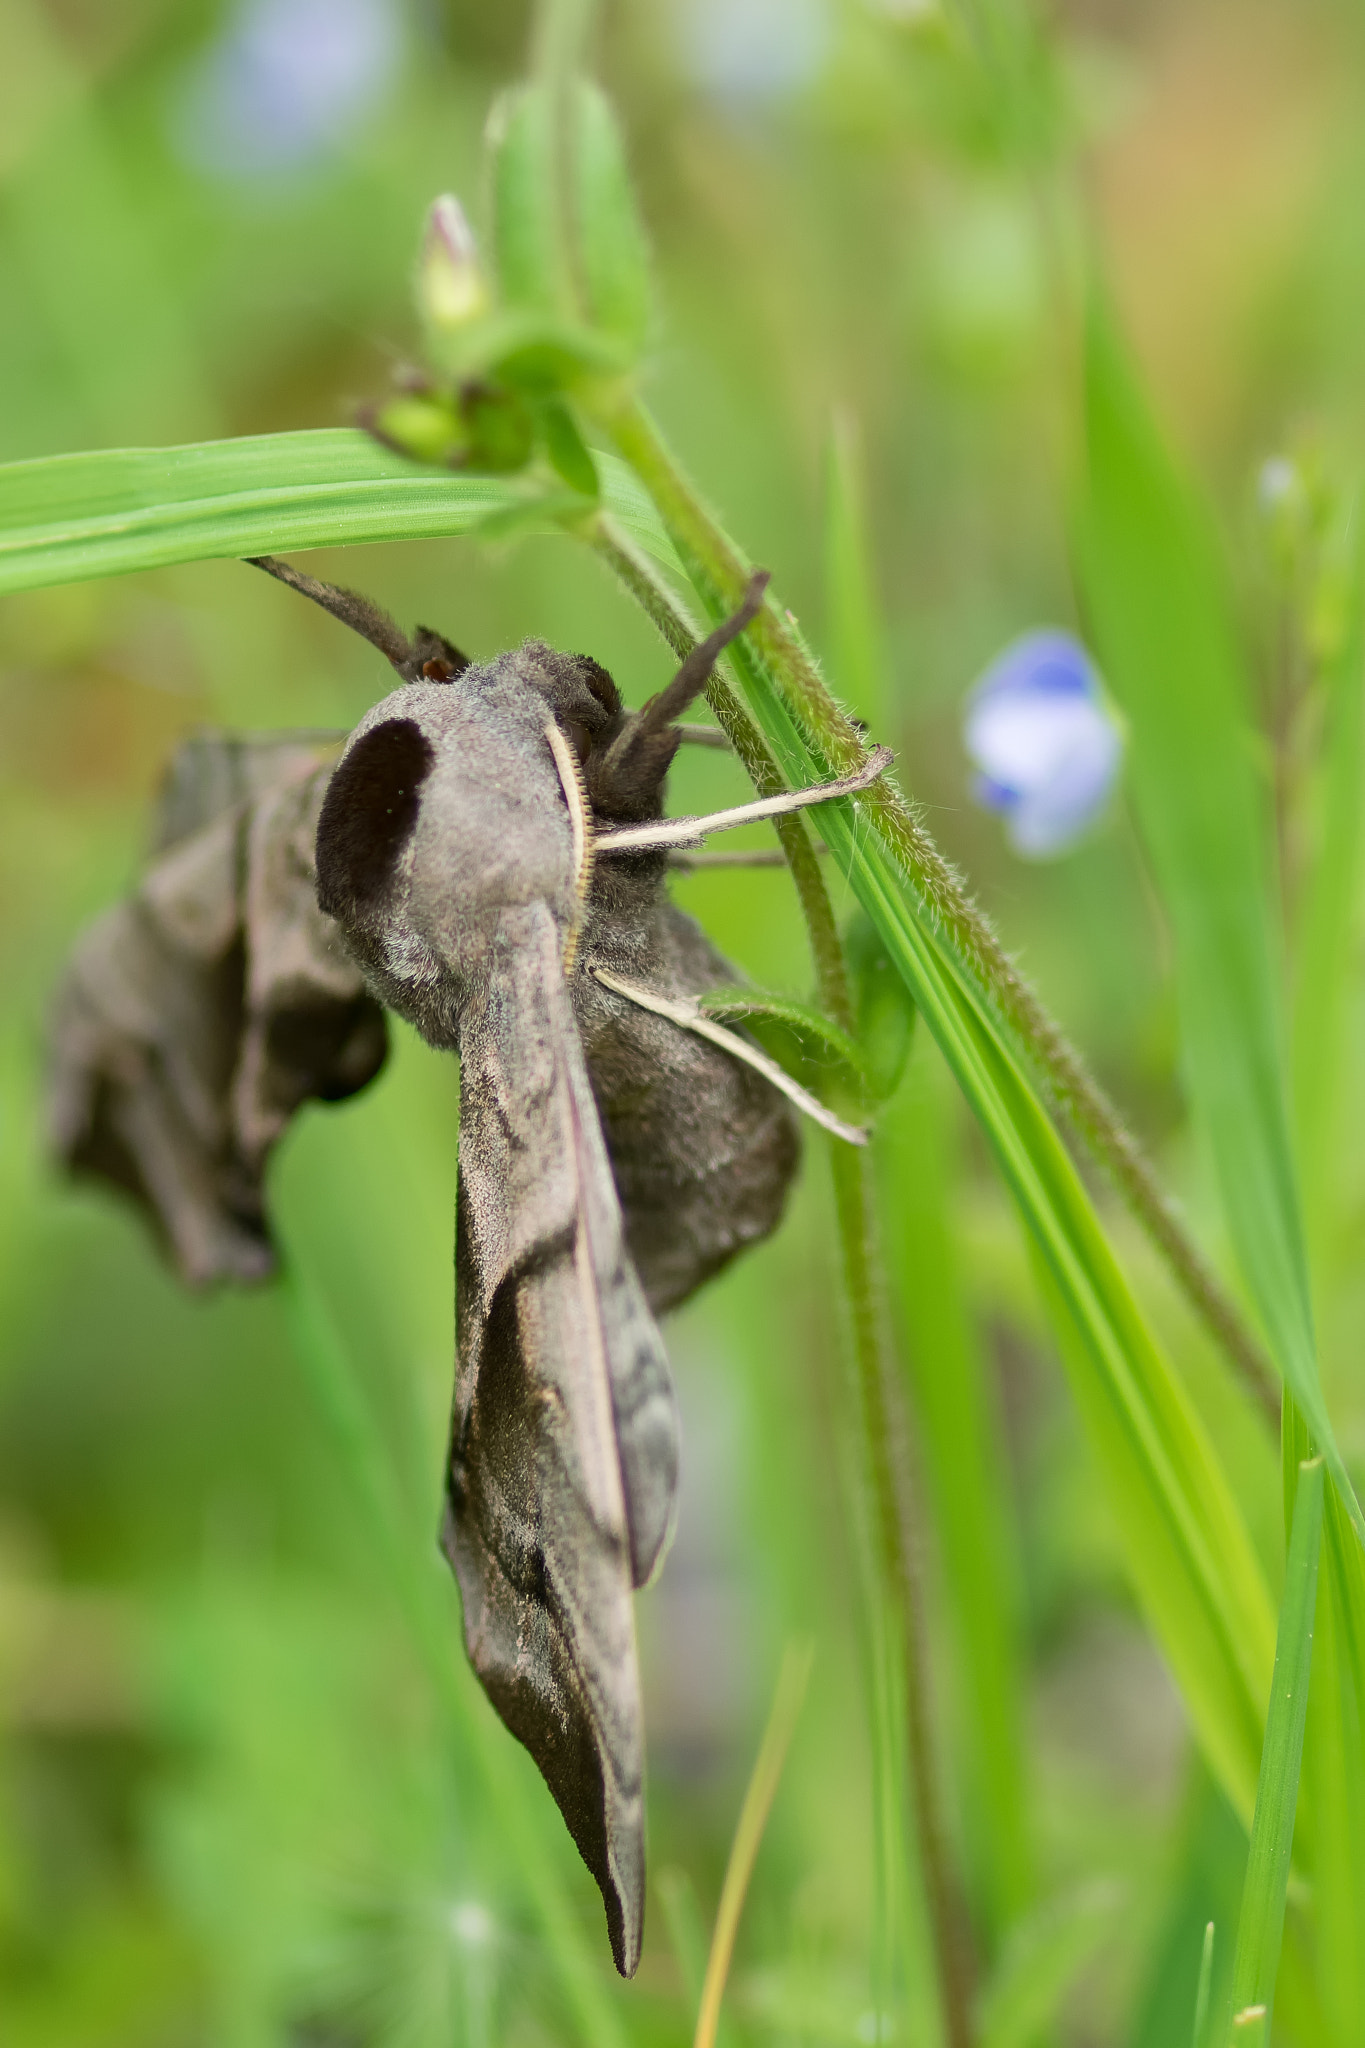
(690,1018)
(690,831)
(704,736)
(426,654)
(758,857)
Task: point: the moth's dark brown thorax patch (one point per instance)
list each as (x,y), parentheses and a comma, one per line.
(369,813)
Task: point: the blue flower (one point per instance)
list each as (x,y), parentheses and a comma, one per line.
(1044,741)
(285,81)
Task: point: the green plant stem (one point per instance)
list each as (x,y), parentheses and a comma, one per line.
(885,1460)
(1261,1923)
(753,1819)
(860,1258)
(720,574)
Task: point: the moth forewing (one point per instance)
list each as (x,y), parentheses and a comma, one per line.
(564,1440)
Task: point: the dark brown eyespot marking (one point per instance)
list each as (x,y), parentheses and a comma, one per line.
(369,812)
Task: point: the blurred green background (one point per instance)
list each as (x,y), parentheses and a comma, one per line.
(231,1806)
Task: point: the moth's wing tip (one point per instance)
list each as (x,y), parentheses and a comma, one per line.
(625,1925)
(591,1759)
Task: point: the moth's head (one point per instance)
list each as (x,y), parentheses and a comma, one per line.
(446,809)
(624,764)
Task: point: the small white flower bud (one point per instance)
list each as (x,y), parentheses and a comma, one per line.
(451,290)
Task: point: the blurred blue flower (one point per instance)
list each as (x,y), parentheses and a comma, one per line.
(285,80)
(746,50)
(1044,741)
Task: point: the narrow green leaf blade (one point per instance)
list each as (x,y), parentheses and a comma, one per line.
(1333,1817)
(1326,925)
(1261,1925)
(612,250)
(1205,1986)
(528,238)
(66,518)
(1161,624)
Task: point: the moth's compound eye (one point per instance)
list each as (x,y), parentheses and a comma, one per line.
(368,814)
(598,682)
(578,736)
(438,671)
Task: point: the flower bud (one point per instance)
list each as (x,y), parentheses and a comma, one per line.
(451,291)
(422,425)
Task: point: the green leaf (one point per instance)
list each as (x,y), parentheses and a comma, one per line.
(65,518)
(613,253)
(567,450)
(1333,1815)
(529,251)
(1261,1924)
(1201,1997)
(567,240)
(1332,890)
(811,1028)
(882,1007)
(1161,625)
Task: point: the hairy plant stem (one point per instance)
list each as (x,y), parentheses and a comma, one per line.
(886,1460)
(720,574)
(884,1457)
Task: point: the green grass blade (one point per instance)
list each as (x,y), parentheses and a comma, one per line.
(66,518)
(1165,641)
(1334,1777)
(1201,1996)
(1326,919)
(1187,1547)
(1261,1924)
